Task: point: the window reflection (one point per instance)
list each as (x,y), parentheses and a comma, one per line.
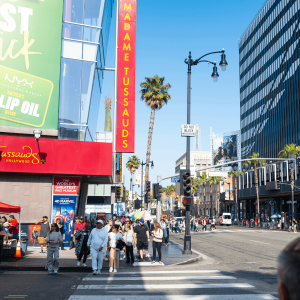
(73,11)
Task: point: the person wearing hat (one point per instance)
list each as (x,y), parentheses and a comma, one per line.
(96,243)
(45,227)
(142,237)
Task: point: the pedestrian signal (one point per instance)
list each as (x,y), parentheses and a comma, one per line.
(187,201)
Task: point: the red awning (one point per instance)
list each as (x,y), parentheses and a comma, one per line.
(6,208)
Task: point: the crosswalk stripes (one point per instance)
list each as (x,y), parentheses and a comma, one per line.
(166,285)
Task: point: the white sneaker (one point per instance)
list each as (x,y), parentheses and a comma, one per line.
(106,259)
(78,264)
(55,272)
(124,257)
(111,269)
(84,265)
(115,271)
(95,272)
(99,271)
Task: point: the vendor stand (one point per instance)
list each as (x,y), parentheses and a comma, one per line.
(6,240)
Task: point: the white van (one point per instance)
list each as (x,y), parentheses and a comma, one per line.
(224,219)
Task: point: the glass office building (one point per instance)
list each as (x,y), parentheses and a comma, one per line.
(85,32)
(269,79)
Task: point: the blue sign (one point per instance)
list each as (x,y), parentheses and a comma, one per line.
(63,209)
(175,179)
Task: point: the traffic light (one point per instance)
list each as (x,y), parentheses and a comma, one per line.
(155,191)
(186,182)
(159,190)
(187,201)
(148,184)
(119,192)
(147,197)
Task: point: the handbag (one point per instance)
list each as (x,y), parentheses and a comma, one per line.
(120,244)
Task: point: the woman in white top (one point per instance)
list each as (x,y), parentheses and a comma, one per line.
(107,228)
(157,234)
(114,237)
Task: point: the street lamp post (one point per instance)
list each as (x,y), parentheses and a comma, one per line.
(142,179)
(229,194)
(190,62)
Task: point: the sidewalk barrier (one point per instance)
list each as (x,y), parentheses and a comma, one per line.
(18,250)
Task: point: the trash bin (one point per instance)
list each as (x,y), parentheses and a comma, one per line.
(24,244)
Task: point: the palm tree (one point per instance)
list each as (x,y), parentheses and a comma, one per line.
(235,174)
(214,180)
(132,165)
(155,94)
(255,162)
(291,151)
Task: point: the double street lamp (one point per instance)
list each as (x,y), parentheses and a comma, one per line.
(190,62)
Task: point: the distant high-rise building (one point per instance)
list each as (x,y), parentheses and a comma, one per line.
(269,79)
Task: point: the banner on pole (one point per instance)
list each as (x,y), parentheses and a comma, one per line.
(125,135)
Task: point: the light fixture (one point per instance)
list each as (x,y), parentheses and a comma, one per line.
(215,74)
(37,134)
(223,63)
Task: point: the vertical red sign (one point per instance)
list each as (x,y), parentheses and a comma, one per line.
(125,138)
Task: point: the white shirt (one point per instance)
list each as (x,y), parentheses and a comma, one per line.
(129,237)
(113,238)
(98,238)
(107,228)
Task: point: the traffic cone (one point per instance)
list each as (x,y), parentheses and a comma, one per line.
(18,250)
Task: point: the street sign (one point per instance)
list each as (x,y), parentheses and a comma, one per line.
(217,174)
(188,130)
(175,179)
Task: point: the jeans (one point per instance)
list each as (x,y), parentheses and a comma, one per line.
(83,252)
(52,259)
(129,252)
(156,245)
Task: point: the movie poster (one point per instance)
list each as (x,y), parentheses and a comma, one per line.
(63,212)
(34,233)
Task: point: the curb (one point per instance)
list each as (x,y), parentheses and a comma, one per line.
(189,261)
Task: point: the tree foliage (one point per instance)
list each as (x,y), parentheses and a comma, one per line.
(289,149)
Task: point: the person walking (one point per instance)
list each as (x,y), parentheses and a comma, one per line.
(157,234)
(107,227)
(45,227)
(204,224)
(53,239)
(163,225)
(295,226)
(62,231)
(114,238)
(82,237)
(72,241)
(130,242)
(96,243)
(141,233)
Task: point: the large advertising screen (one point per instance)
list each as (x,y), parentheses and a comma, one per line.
(30,52)
(225,147)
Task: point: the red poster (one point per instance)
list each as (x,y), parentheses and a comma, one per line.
(126,77)
(101,215)
(64,185)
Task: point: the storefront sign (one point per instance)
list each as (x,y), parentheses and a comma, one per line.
(30,53)
(50,156)
(65,185)
(125,140)
(101,215)
(63,209)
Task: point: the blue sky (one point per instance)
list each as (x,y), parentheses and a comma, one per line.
(166,31)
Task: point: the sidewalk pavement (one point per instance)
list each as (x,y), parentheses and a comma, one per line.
(35,261)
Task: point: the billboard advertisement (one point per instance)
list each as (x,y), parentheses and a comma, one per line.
(225,147)
(30,63)
(227,195)
(125,139)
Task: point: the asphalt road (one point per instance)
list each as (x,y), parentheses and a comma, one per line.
(237,264)
(248,254)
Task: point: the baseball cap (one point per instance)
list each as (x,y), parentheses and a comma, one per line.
(81,218)
(99,221)
(45,217)
(142,220)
